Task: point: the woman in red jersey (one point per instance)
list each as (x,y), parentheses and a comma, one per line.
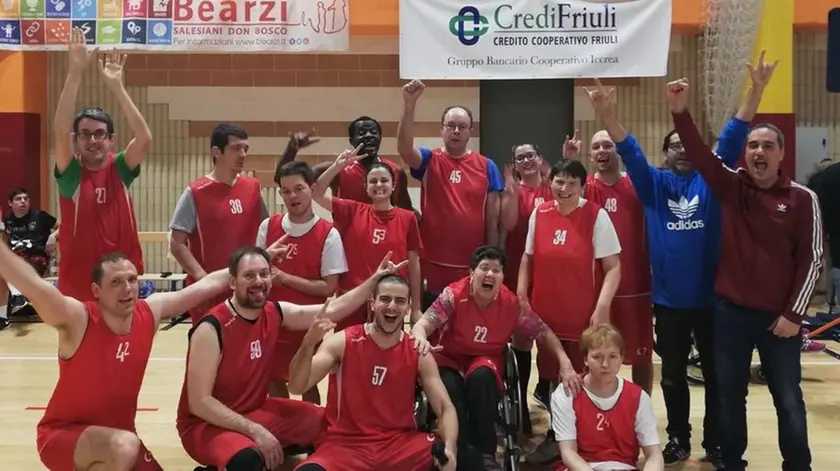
(605,425)
(370,230)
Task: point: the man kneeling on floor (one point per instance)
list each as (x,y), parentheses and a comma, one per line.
(225,419)
(603,427)
(374,370)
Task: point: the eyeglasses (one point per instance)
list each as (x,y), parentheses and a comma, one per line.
(675,146)
(97,135)
(528,156)
(453,126)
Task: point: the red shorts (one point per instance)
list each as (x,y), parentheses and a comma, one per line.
(439,277)
(633,317)
(57,449)
(287,345)
(562,467)
(359,316)
(291,422)
(409,451)
(465,364)
(548,366)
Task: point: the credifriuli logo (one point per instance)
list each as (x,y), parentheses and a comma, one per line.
(468,25)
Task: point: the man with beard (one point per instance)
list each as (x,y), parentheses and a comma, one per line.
(350,183)
(371,422)
(461,188)
(106,342)
(308,273)
(470,325)
(770,260)
(217,213)
(225,419)
(96,209)
(682,219)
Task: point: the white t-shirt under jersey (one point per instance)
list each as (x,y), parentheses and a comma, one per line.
(604,237)
(333,258)
(564,420)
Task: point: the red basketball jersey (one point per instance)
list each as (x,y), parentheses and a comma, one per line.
(352,185)
(377,232)
(371,394)
(227,218)
(529,199)
(608,435)
(566,278)
(98,220)
(472,331)
(452,201)
(100,383)
(245,366)
(628,216)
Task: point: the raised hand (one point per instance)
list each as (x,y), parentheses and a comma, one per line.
(600,97)
(300,140)
(412,91)
(511,185)
(79,56)
(111,66)
(571,147)
(387,267)
(761,72)
(349,157)
(319,327)
(677,93)
(278,248)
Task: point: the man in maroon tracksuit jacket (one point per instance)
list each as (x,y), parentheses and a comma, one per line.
(770,260)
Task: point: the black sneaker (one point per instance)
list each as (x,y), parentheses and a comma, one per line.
(16,303)
(542,394)
(675,452)
(4,324)
(714,457)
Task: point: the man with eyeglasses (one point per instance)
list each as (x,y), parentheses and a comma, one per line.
(460,196)
(96,209)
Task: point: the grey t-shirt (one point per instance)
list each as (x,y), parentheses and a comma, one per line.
(184,218)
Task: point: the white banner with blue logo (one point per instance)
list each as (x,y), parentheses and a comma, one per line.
(533,39)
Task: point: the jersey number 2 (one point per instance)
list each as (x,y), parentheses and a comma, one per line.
(379,373)
(235,206)
(122,351)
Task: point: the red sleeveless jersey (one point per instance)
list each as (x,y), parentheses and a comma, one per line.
(378,232)
(628,216)
(97,221)
(371,394)
(565,302)
(245,366)
(453,198)
(228,217)
(472,331)
(608,435)
(529,199)
(100,383)
(352,185)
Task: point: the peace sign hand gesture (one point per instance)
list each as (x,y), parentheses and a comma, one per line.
(571,147)
(762,72)
(79,56)
(387,267)
(111,66)
(320,326)
(349,157)
(600,97)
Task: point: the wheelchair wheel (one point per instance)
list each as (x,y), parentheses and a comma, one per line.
(512,393)
(511,461)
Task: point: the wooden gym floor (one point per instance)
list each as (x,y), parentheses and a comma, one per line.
(28,371)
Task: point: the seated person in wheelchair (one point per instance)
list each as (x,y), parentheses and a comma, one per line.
(470,325)
(603,427)
(374,369)
(225,418)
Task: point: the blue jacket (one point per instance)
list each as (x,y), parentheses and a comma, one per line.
(683,221)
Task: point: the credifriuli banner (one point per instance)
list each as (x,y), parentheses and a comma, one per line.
(531,39)
(178,25)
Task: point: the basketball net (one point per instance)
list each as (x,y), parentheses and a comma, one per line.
(727,45)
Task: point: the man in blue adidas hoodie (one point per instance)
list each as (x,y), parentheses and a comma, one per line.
(683,220)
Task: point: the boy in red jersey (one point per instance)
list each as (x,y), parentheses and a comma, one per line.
(371,422)
(458,185)
(107,341)
(309,272)
(96,210)
(578,235)
(603,427)
(225,419)
(366,132)
(472,321)
(217,213)
(379,226)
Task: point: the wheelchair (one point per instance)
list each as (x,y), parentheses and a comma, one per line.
(509,416)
